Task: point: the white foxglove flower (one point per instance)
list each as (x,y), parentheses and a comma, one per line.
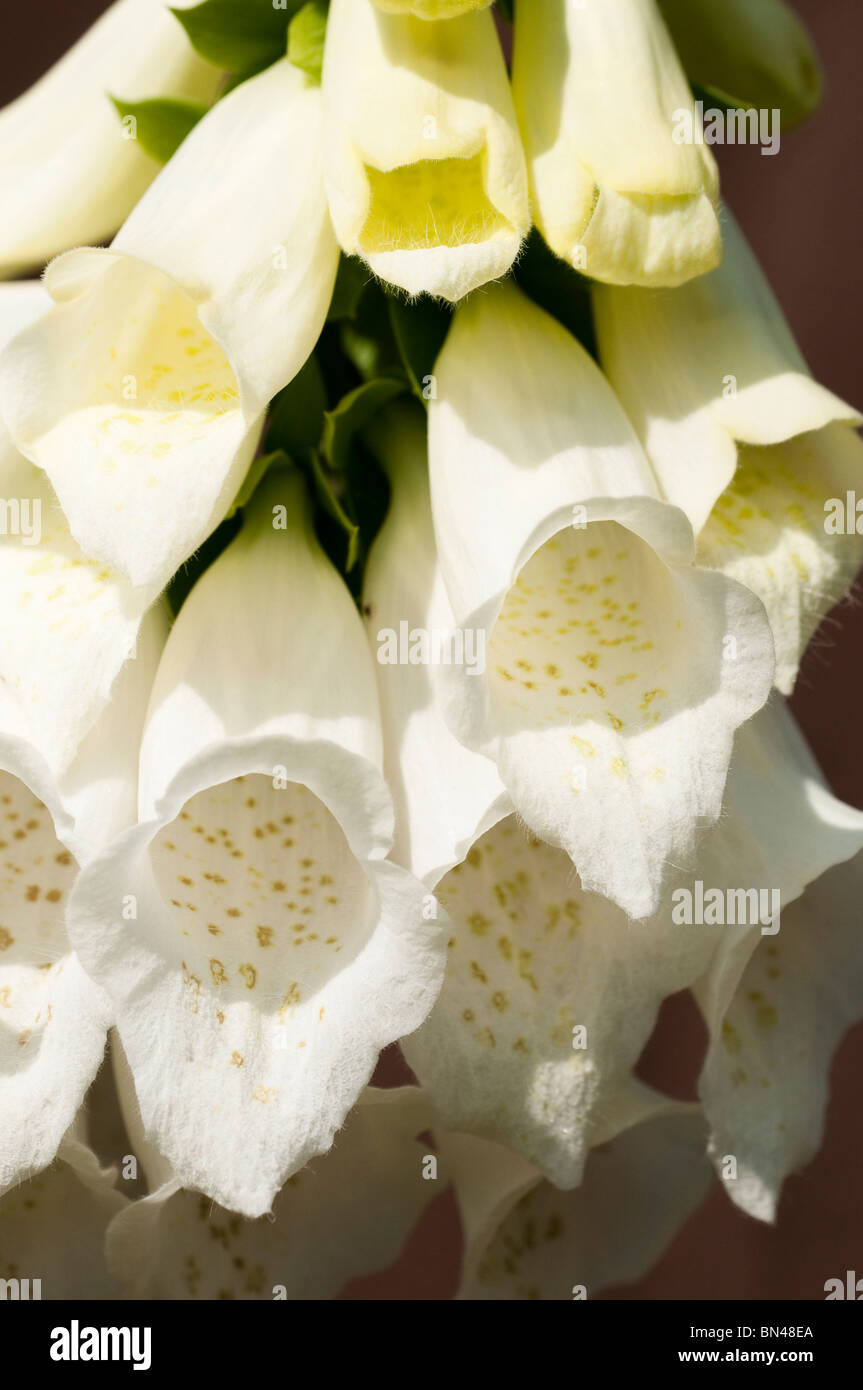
(778,1004)
(709,368)
(425,170)
(258,948)
(140,394)
(752,52)
(53,1019)
(53,1227)
(62,610)
(68,172)
(551,993)
(525,1239)
(608,703)
(345,1216)
(596,89)
(444,794)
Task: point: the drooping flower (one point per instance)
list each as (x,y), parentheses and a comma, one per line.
(61,609)
(344,1216)
(53,1226)
(740,436)
(68,171)
(425,170)
(141,393)
(268,949)
(53,1018)
(551,993)
(609,702)
(597,89)
(444,794)
(778,1003)
(525,1239)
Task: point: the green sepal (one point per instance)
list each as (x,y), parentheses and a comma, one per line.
(239,35)
(161,123)
(306,33)
(353,413)
(296,420)
(419,328)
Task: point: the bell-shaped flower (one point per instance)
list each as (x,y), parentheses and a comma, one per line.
(444,794)
(525,1239)
(712,367)
(53,1018)
(62,611)
(425,170)
(53,1227)
(140,394)
(551,993)
(344,1216)
(778,1002)
(69,173)
(598,90)
(752,53)
(608,698)
(258,947)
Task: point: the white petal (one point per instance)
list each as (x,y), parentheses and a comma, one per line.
(777,1003)
(274,950)
(141,393)
(781,826)
(346,1215)
(62,613)
(444,794)
(703,367)
(52,1017)
(21,303)
(94,797)
(551,993)
(598,89)
(765,1081)
(607,703)
(63,610)
(425,170)
(549,998)
(527,1240)
(52,1228)
(68,172)
(769,530)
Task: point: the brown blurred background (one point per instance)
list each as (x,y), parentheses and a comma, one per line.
(803,212)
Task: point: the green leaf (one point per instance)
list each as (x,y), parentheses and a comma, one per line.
(419,328)
(327,489)
(556,287)
(351,279)
(239,34)
(506,8)
(306,33)
(367,339)
(297,414)
(353,413)
(160,124)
